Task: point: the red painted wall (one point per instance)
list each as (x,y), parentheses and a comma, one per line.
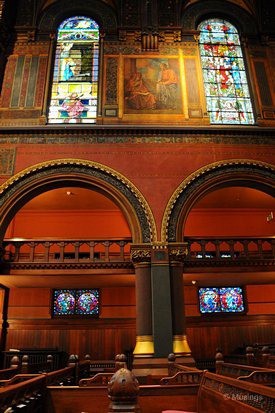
(156,170)
(69,224)
(229,222)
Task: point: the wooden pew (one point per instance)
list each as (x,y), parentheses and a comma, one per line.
(18,378)
(94,399)
(260,375)
(26,397)
(99,379)
(176,391)
(30,393)
(6,374)
(227,395)
(216,394)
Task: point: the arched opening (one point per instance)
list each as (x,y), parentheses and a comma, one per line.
(231,211)
(76,220)
(69,212)
(231,173)
(64,173)
(66,223)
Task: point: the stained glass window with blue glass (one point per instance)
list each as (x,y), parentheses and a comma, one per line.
(226,87)
(221,300)
(75,76)
(70,302)
(87,302)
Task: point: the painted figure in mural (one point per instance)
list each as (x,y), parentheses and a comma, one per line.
(167,87)
(138,95)
(73,106)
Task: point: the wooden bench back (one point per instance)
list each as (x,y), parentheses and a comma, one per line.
(228,395)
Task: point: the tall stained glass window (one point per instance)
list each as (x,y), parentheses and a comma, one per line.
(75,77)
(227,93)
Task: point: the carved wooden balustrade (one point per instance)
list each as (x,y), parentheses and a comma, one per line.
(235,251)
(34,253)
(205,252)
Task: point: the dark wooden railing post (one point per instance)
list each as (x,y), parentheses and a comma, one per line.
(25,364)
(171,364)
(74,362)
(218,361)
(250,357)
(120,361)
(107,250)
(121,250)
(217,244)
(49,363)
(62,247)
(15,362)
(47,251)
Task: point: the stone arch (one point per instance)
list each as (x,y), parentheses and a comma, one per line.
(237,15)
(249,173)
(103,13)
(27,184)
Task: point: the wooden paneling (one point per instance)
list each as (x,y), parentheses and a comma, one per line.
(29,312)
(30,323)
(118,296)
(118,311)
(103,340)
(205,335)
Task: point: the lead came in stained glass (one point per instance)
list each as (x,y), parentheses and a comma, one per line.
(75,302)
(227,93)
(87,302)
(221,300)
(209,300)
(75,77)
(231,300)
(64,302)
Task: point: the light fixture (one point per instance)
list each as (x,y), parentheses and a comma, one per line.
(269,217)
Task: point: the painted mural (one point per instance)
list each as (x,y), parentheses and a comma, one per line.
(152,85)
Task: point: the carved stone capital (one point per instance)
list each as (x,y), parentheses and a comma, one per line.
(140,253)
(178,252)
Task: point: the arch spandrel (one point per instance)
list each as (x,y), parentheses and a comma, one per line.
(254,174)
(27,184)
(103,12)
(236,11)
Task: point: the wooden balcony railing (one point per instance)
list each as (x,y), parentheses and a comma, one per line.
(229,251)
(205,252)
(66,251)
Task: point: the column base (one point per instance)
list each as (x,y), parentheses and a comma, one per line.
(144,347)
(147,370)
(181,346)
